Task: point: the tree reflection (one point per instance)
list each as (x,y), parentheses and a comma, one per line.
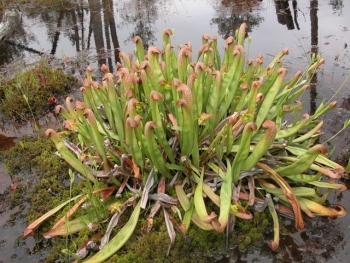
(231,14)
(109,40)
(102,24)
(336,4)
(314,50)
(80,21)
(57,33)
(56,18)
(111,30)
(9,51)
(142,15)
(284,14)
(97,29)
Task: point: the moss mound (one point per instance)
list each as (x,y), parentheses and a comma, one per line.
(33,92)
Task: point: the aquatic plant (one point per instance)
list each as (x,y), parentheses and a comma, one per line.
(205,141)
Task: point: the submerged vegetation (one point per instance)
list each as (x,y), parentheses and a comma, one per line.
(32,92)
(209,141)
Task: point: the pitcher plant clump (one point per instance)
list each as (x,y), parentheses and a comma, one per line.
(205,139)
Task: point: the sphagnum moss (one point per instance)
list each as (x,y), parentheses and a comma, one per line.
(38,175)
(33,91)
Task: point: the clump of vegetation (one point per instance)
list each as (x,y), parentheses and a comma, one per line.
(33,92)
(208,141)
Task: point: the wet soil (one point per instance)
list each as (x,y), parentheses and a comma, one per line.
(81,33)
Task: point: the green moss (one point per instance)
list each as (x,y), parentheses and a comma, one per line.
(198,246)
(32,154)
(29,163)
(18,196)
(153,246)
(36,155)
(38,175)
(242,247)
(36,85)
(250,234)
(247,240)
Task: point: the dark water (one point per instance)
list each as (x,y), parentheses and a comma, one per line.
(92,32)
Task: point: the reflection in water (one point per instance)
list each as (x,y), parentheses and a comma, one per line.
(284,15)
(316,244)
(8,50)
(71,20)
(337,4)
(231,14)
(57,33)
(97,29)
(314,50)
(143,16)
(111,30)
(103,27)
